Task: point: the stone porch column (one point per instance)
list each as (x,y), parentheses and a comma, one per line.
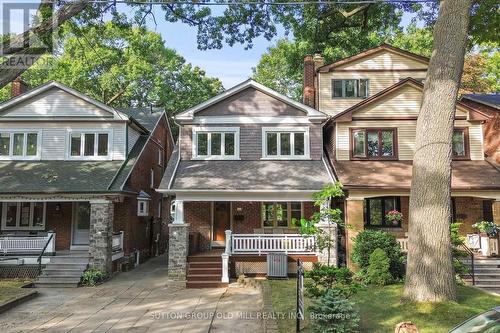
(496,211)
(178,245)
(101,234)
(354,225)
(332,230)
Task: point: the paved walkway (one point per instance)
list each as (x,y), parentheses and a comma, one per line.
(136,301)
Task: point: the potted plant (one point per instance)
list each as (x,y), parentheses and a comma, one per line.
(394,217)
(488,231)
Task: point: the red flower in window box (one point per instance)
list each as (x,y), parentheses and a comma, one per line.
(394,217)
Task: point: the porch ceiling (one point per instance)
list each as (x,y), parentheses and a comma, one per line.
(248,176)
(466,175)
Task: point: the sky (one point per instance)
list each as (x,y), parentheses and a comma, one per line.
(231,65)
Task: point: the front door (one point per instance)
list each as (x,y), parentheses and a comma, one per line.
(222,221)
(81,223)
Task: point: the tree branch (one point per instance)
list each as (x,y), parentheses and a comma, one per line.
(354,11)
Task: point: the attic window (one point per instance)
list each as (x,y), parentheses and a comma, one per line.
(19,145)
(89,145)
(350,88)
(143,200)
(216,143)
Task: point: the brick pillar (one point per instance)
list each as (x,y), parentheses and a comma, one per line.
(309,77)
(355,222)
(496,211)
(101,234)
(178,245)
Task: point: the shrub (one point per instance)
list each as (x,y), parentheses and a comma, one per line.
(324,277)
(333,312)
(93,276)
(367,241)
(378,269)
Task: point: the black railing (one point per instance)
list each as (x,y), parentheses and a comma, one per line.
(470,254)
(39,260)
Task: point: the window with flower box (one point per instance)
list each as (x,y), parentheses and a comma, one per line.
(376,209)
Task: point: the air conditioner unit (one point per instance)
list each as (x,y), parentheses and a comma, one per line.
(277,265)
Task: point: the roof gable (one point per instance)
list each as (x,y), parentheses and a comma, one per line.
(383,57)
(55,100)
(370,106)
(238,100)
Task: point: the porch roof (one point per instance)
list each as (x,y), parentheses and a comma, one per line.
(246,176)
(466,175)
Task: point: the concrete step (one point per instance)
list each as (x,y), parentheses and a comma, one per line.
(203,277)
(69,260)
(488,286)
(55,285)
(56,281)
(62,272)
(487,282)
(66,266)
(205,259)
(205,284)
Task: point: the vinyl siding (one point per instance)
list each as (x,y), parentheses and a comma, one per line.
(251,140)
(56,103)
(384,59)
(55,136)
(406,137)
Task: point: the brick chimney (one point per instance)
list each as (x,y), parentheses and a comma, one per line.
(309,77)
(318,60)
(18,87)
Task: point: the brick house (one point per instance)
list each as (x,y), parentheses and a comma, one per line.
(373,101)
(85,174)
(243,173)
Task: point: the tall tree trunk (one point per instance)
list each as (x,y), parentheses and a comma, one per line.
(430,274)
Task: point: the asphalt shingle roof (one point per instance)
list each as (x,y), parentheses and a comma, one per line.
(248,175)
(491,99)
(147,117)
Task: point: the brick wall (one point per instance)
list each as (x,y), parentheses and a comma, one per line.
(250,211)
(199,216)
(140,232)
(59,221)
(468,211)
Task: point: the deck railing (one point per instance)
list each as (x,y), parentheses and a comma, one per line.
(27,244)
(403,243)
(270,243)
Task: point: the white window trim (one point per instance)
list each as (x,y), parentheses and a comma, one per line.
(160,156)
(18,217)
(303,129)
(94,157)
(25,143)
(145,211)
(152,178)
(222,130)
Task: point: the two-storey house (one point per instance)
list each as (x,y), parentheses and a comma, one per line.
(243,173)
(77,180)
(373,100)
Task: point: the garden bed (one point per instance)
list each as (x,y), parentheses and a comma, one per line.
(380,308)
(12,294)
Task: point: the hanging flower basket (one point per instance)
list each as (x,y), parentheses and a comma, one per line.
(487,228)
(394,217)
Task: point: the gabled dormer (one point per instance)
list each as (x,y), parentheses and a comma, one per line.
(344,83)
(56,122)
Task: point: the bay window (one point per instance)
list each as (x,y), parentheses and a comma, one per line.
(373,143)
(281,214)
(89,145)
(460,143)
(375,210)
(216,143)
(285,143)
(23,215)
(350,88)
(19,145)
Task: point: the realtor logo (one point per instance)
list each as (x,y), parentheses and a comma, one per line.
(20,48)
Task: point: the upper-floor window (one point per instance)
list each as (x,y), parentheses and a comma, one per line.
(460,143)
(89,145)
(216,143)
(373,143)
(350,88)
(285,143)
(19,145)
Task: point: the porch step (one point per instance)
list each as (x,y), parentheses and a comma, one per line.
(205,284)
(197,271)
(63,271)
(205,271)
(69,260)
(205,264)
(204,277)
(57,282)
(204,259)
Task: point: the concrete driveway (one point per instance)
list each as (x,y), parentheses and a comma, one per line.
(136,301)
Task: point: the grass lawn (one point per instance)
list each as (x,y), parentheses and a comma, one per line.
(381,310)
(10,289)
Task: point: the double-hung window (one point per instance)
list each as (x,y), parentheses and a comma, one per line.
(375,210)
(19,145)
(89,145)
(373,143)
(350,88)
(460,144)
(23,215)
(285,143)
(281,214)
(216,143)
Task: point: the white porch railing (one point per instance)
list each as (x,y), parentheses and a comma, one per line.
(27,244)
(403,243)
(270,243)
(117,245)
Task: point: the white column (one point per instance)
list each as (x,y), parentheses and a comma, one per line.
(225,268)
(179,212)
(51,248)
(228,242)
